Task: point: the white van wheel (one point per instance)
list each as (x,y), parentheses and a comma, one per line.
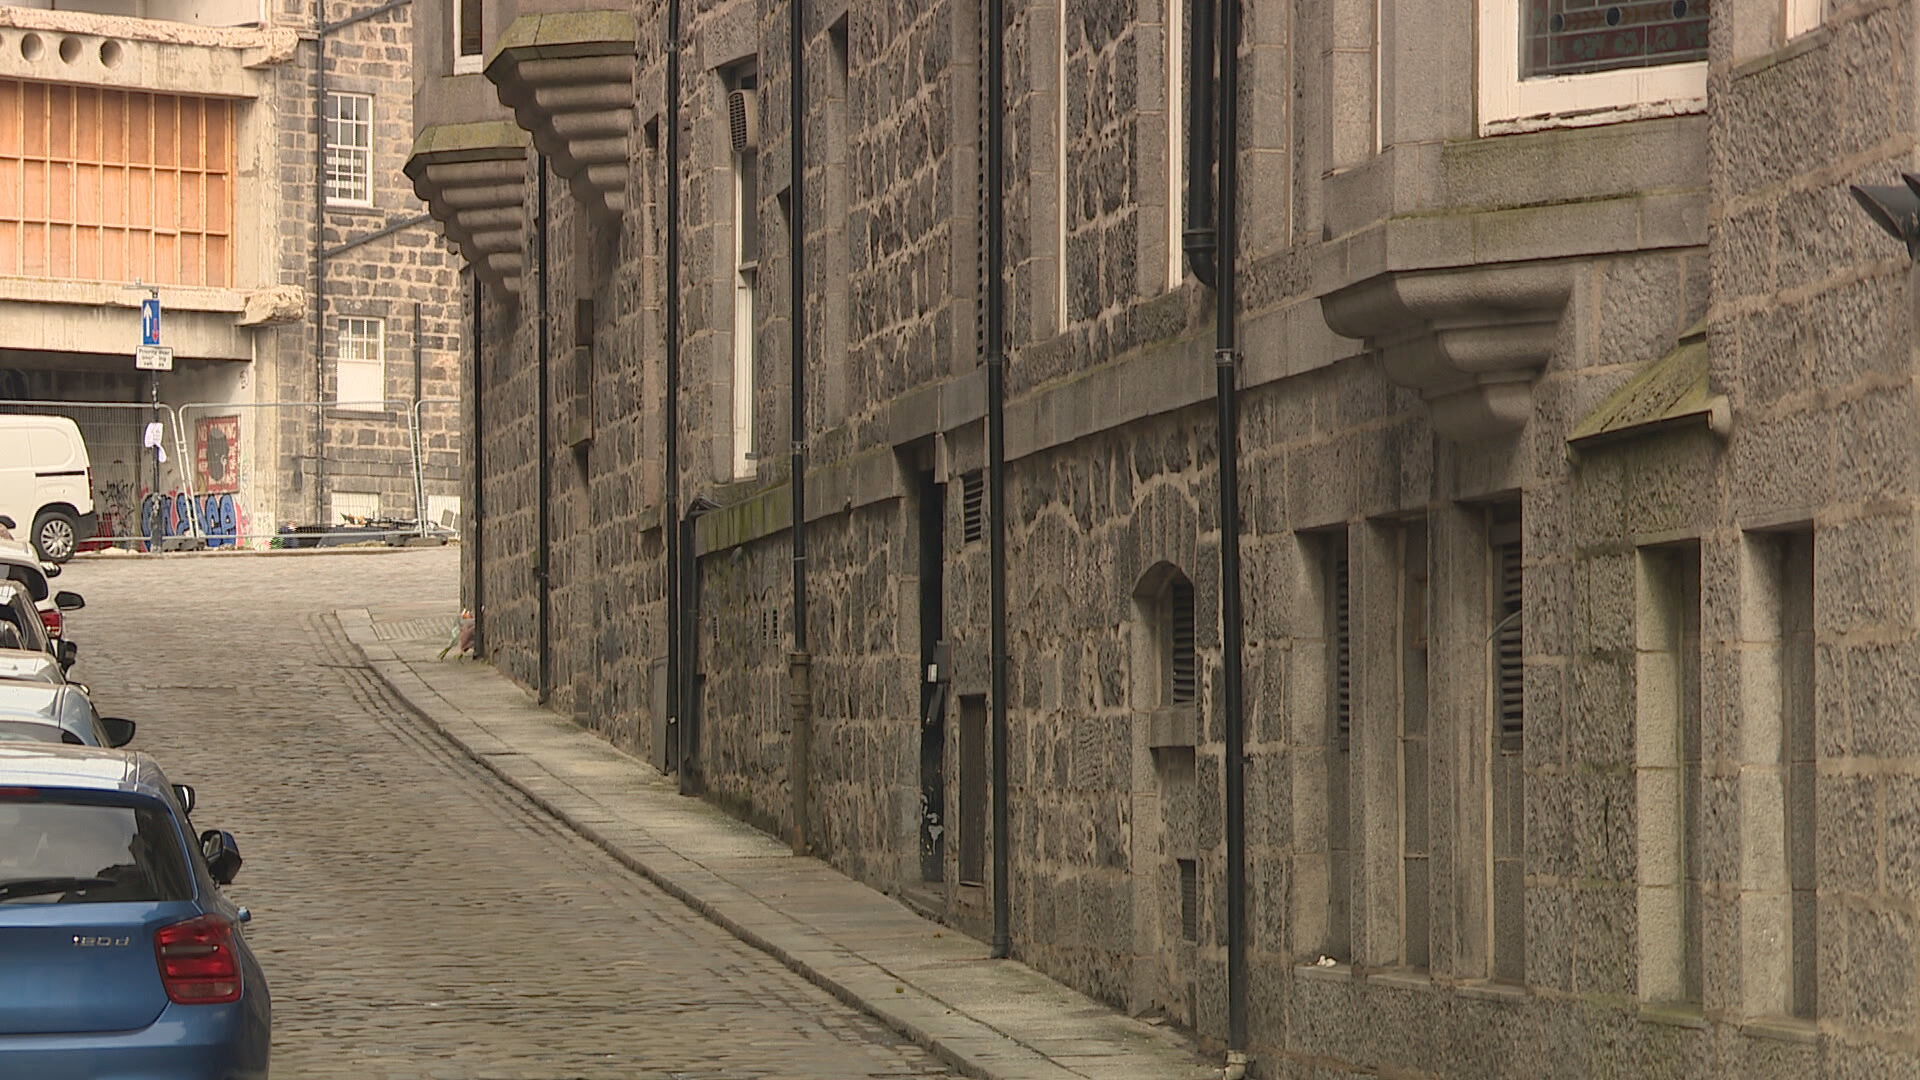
(55,535)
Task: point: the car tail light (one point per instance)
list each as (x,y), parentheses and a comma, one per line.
(197,961)
(55,621)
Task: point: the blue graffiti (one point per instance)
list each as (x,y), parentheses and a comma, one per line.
(165,514)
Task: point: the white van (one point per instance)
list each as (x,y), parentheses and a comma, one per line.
(46,484)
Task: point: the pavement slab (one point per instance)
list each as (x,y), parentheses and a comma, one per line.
(997,1019)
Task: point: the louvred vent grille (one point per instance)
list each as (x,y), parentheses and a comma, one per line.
(1182,667)
(1509,669)
(973,507)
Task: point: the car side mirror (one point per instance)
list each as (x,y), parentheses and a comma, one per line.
(6,522)
(50,569)
(186,795)
(66,652)
(119,731)
(222,855)
(67,600)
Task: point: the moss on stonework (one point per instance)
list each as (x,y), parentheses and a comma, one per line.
(1671,388)
(564,33)
(446,140)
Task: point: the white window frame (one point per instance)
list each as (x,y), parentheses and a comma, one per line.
(746,274)
(342,504)
(1509,103)
(466,63)
(1801,16)
(349,164)
(351,333)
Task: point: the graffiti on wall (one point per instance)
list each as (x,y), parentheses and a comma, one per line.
(173,513)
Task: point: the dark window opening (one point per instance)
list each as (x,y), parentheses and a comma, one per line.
(973,789)
(1189,900)
(470,28)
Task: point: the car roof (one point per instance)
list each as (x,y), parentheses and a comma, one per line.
(30,698)
(93,768)
(29,665)
(18,549)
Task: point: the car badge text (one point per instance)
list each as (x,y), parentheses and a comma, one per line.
(101,942)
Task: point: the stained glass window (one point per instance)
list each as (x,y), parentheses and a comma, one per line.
(1569,37)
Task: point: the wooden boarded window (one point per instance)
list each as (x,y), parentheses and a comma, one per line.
(115,185)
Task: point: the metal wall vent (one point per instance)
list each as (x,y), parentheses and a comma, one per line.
(743,120)
(1508,652)
(1342,649)
(973,506)
(1182,667)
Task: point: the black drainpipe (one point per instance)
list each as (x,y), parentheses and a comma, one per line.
(1226,370)
(799,665)
(1200,240)
(670,493)
(543,516)
(997,470)
(477,450)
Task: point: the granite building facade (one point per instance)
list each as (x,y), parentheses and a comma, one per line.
(1576,476)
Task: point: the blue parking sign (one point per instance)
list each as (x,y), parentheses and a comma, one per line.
(150,321)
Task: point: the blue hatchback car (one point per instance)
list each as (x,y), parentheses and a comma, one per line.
(120,958)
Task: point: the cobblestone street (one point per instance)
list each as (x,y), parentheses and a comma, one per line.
(416,917)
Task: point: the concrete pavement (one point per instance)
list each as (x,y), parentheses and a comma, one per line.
(995,1019)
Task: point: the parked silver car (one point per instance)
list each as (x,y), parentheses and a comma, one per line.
(21,627)
(57,712)
(30,665)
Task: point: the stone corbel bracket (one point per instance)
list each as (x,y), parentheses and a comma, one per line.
(473,178)
(568,77)
(1471,339)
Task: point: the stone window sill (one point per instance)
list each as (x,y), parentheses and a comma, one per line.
(1684,1014)
(1487,990)
(1783,1029)
(1327,973)
(1402,980)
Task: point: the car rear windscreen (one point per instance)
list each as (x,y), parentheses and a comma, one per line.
(55,852)
(28,731)
(30,579)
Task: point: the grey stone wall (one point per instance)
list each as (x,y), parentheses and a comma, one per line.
(1112,489)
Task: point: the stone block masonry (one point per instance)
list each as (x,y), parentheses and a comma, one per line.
(1564,759)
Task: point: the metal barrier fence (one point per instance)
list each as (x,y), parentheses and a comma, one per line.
(138,476)
(224,474)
